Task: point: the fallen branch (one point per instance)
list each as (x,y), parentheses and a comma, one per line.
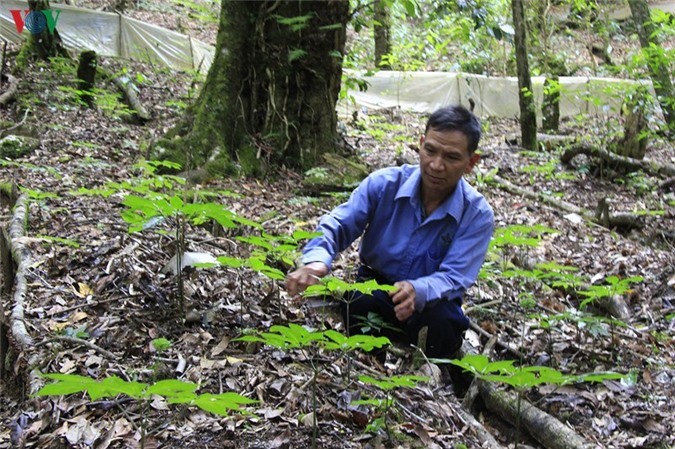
(131,96)
(516,353)
(615,160)
(601,217)
(485,437)
(546,429)
(5,131)
(88,344)
(12,89)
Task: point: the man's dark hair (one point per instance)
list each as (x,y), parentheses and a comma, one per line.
(456,118)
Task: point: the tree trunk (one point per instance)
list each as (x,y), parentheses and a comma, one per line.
(550,109)
(86,75)
(44,40)
(381,32)
(528,115)
(658,68)
(270,94)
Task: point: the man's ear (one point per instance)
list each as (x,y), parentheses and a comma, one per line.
(421,143)
(473,160)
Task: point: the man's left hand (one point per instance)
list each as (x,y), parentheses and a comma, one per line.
(404,300)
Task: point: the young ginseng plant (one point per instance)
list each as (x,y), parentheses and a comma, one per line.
(384,405)
(522,377)
(309,342)
(174,391)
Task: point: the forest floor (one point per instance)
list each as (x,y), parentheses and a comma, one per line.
(99,295)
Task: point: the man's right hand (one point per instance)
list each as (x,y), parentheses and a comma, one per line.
(310,274)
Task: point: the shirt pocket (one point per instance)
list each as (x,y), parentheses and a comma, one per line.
(434,257)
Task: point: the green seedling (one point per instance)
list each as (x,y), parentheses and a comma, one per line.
(308,342)
(161,344)
(174,391)
(508,239)
(384,405)
(375,323)
(338,289)
(614,286)
(522,377)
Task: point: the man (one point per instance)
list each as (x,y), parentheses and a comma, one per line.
(425,230)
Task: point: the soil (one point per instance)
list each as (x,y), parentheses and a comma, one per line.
(92,279)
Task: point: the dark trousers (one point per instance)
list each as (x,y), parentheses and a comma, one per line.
(444,319)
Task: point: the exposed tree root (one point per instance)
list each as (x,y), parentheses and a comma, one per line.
(614,160)
(21,346)
(22,260)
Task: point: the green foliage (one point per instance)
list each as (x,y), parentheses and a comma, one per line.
(374,322)
(174,391)
(331,286)
(519,236)
(79,332)
(391,383)
(278,248)
(59,240)
(297,23)
(161,344)
(614,286)
(294,336)
(523,377)
(387,385)
(548,170)
(596,326)
(549,273)
(207,11)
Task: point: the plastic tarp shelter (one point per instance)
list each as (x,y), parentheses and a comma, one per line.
(493,96)
(116,35)
(111,34)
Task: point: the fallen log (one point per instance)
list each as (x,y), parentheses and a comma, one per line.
(545,428)
(616,161)
(129,91)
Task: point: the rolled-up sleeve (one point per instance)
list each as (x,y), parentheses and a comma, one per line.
(343,225)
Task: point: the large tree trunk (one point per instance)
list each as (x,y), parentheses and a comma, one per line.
(44,40)
(381,33)
(528,115)
(658,68)
(270,95)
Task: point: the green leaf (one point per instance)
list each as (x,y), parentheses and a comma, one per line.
(222,404)
(66,384)
(295,54)
(176,391)
(114,386)
(161,344)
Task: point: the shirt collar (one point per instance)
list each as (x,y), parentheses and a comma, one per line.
(453,206)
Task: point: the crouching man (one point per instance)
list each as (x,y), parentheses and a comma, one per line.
(424,230)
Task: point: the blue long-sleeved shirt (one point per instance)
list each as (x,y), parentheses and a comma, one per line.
(440,255)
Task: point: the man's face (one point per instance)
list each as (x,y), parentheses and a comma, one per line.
(444,158)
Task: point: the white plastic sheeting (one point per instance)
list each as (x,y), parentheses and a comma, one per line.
(493,96)
(116,35)
(111,34)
